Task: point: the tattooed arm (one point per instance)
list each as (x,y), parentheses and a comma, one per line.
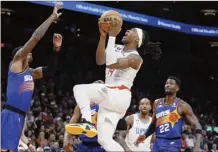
(132,60)
(37,35)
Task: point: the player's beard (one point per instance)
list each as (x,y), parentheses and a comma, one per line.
(144,113)
(169,92)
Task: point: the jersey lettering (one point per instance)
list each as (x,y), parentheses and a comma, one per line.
(162,114)
(28,78)
(110,72)
(140,131)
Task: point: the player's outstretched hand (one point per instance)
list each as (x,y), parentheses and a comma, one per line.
(57,41)
(57,7)
(102,32)
(140,139)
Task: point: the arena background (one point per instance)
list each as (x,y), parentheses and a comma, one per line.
(192,58)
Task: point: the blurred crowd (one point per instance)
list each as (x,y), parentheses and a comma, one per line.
(52,108)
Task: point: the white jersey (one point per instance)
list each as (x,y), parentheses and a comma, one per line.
(137,129)
(119,77)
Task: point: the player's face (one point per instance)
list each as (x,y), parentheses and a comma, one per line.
(171,87)
(130,36)
(145,106)
(29,58)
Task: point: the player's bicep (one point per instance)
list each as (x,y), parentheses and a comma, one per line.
(26,49)
(37,73)
(189,115)
(132,60)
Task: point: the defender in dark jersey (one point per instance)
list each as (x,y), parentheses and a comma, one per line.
(88,144)
(20,84)
(169,114)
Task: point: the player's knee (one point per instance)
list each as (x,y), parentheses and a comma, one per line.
(77,88)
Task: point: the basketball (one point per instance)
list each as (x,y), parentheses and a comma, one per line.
(110,18)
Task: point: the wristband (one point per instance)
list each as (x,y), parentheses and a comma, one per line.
(111,57)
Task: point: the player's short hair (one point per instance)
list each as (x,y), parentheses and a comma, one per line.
(178,82)
(150,47)
(15,51)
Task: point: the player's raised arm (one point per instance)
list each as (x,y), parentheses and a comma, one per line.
(100,52)
(50,69)
(151,128)
(38,34)
(193,121)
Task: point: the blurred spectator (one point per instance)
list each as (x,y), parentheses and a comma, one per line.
(214,148)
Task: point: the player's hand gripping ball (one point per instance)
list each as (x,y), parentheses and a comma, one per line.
(110,18)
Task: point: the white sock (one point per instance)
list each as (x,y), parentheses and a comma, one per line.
(83,101)
(105,138)
(86,113)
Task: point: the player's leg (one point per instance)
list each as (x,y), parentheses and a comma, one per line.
(172,145)
(97,149)
(81,148)
(11,130)
(84,94)
(106,125)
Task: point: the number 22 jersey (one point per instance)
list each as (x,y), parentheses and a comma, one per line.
(168,121)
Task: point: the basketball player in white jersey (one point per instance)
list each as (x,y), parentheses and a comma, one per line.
(114,97)
(137,124)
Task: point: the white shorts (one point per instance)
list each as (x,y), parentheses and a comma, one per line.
(113,100)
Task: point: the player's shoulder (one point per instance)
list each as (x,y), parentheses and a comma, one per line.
(157,101)
(183,104)
(130,118)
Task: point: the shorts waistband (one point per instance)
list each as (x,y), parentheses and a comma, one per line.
(121,87)
(16,110)
(176,138)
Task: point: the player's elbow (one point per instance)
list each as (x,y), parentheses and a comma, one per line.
(77,89)
(100,62)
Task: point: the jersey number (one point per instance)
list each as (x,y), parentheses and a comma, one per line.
(164,128)
(110,72)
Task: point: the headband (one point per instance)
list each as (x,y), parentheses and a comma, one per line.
(140,35)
